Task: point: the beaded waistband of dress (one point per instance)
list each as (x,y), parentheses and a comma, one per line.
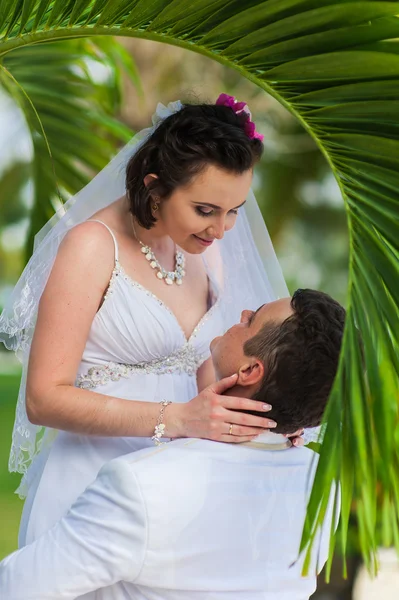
(185,360)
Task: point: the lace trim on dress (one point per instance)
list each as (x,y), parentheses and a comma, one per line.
(120,272)
(185,360)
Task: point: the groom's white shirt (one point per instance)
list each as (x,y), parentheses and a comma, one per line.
(192,520)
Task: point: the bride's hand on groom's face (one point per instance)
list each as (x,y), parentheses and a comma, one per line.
(213,416)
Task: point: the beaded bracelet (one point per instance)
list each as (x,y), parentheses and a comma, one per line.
(160,427)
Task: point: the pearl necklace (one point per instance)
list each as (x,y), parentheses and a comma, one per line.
(169,277)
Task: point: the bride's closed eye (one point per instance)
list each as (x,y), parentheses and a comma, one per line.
(204,212)
(207,212)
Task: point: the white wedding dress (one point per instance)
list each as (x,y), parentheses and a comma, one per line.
(135,350)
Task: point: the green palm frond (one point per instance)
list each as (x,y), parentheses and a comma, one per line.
(12,181)
(335,65)
(52,83)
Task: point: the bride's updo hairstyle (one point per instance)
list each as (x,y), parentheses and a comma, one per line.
(183,145)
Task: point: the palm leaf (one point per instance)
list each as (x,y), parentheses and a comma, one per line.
(74,112)
(334,64)
(12,181)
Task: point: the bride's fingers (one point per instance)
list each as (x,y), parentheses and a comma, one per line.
(223,384)
(232,429)
(296,433)
(235,403)
(297,441)
(296,438)
(232,405)
(247,421)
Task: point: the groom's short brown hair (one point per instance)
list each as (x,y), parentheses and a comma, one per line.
(301,359)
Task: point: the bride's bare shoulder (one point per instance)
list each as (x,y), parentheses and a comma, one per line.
(92,238)
(88,239)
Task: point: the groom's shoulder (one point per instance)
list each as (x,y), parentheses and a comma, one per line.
(193,455)
(164,460)
(166,466)
(141,465)
(198,462)
(167,453)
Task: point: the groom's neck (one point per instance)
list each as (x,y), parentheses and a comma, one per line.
(241,391)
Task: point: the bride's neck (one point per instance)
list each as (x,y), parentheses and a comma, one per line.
(156,237)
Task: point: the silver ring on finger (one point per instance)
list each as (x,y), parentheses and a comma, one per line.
(231,429)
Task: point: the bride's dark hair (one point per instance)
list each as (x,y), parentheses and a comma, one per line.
(181,147)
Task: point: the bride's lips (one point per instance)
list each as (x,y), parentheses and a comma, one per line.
(202,241)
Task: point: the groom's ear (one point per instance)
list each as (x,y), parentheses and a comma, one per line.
(251,373)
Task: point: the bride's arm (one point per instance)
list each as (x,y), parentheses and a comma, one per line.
(67,308)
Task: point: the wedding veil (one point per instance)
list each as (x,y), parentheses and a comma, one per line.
(251,273)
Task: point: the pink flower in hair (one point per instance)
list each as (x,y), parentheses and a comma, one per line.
(250,129)
(241,108)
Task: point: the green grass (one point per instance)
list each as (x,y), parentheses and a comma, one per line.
(10,504)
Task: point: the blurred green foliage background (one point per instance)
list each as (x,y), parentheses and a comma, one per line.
(10,504)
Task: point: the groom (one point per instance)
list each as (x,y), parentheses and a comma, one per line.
(196,519)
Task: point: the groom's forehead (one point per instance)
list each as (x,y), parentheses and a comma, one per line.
(279,310)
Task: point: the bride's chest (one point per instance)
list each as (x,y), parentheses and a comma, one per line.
(134,325)
(188,302)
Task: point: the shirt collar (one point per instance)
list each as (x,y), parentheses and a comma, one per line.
(269,441)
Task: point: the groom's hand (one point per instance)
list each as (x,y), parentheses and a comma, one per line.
(214,416)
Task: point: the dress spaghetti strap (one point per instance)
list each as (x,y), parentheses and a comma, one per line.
(113,237)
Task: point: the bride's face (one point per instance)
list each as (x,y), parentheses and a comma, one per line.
(202,211)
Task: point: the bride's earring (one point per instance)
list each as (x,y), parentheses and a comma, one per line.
(155,206)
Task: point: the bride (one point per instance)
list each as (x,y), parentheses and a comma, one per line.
(113,315)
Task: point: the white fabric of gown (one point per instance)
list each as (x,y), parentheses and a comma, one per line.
(136,350)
